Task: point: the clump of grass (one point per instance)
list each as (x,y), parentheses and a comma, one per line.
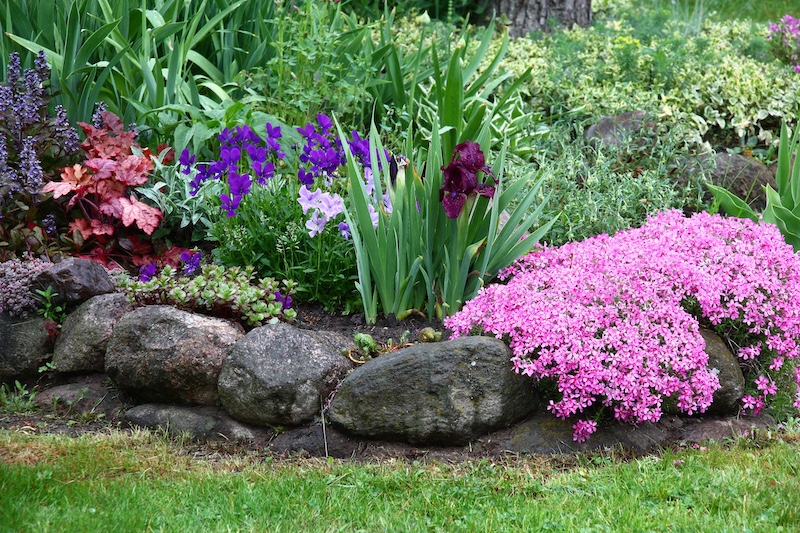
(16,398)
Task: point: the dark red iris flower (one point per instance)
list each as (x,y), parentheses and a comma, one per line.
(461,180)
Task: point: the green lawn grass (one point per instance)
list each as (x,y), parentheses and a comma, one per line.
(117,482)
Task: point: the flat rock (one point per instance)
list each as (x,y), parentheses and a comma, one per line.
(198,422)
(88,395)
(76,280)
(315,440)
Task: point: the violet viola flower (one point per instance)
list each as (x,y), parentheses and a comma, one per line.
(230,204)
(460,178)
(345,229)
(285,301)
(187,160)
(191,262)
(146,272)
(239,183)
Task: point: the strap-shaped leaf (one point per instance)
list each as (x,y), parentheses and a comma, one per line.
(732,204)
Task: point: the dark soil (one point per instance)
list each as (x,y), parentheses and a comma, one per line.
(316,318)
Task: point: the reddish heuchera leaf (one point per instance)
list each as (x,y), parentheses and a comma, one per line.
(103,168)
(72,179)
(113,207)
(133,170)
(81,225)
(108,189)
(172,256)
(58,188)
(169,157)
(100,255)
(102,228)
(113,122)
(132,210)
(105,144)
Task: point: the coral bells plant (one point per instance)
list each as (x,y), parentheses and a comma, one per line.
(614,321)
(100,188)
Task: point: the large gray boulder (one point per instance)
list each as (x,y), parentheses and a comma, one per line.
(441,393)
(543,433)
(165,355)
(81,345)
(731,379)
(76,280)
(24,347)
(744,177)
(615,130)
(280,375)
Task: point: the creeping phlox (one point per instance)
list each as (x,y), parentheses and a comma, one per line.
(608,319)
(784,37)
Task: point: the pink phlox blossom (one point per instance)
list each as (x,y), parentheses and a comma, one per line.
(608,318)
(748,353)
(583,430)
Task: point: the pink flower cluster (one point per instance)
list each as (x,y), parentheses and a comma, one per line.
(606,319)
(784,37)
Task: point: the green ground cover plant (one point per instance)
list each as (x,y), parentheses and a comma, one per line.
(639,56)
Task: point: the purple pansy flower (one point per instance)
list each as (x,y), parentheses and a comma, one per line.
(146,272)
(191,261)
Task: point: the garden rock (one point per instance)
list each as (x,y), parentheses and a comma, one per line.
(545,434)
(162,354)
(441,393)
(744,177)
(616,129)
(209,423)
(24,347)
(81,345)
(76,280)
(88,396)
(280,375)
(731,379)
(315,440)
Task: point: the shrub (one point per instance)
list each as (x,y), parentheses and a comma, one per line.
(609,188)
(608,319)
(639,59)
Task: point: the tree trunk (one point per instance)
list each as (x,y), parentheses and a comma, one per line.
(526,16)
